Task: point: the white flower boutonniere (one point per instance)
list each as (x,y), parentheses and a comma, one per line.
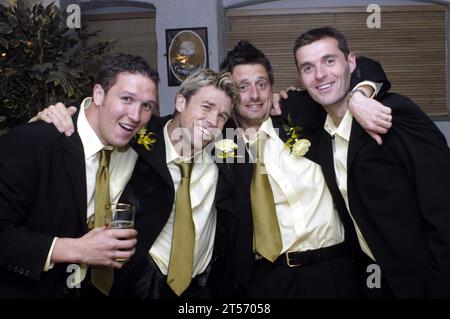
(298,146)
(226,148)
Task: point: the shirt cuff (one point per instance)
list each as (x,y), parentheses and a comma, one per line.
(48,265)
(33,119)
(374,85)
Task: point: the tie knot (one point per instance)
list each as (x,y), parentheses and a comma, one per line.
(105,155)
(257,148)
(186,169)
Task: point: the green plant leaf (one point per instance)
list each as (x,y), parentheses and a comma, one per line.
(13,20)
(4,43)
(55,67)
(5,28)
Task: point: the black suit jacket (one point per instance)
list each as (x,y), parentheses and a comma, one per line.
(398,194)
(42,195)
(152,190)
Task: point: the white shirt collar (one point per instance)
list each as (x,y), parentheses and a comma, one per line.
(265,128)
(344,129)
(91,143)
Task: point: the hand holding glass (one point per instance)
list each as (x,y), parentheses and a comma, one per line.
(119,216)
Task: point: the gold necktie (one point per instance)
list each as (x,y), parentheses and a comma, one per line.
(266,230)
(102,278)
(179,274)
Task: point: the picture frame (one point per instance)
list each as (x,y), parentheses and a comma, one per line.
(186,52)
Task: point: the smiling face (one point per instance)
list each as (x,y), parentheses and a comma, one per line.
(255,94)
(116,116)
(325,72)
(202,117)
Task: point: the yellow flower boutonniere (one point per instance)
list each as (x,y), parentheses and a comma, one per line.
(146,139)
(298,146)
(226,148)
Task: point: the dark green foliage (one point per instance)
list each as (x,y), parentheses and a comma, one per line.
(42,61)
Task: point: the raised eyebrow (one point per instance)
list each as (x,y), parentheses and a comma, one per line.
(128,93)
(243,82)
(208,102)
(329,56)
(304,64)
(151,102)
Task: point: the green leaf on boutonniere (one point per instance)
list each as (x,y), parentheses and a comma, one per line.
(297,146)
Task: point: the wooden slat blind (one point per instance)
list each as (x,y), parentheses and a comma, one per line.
(135,32)
(410,45)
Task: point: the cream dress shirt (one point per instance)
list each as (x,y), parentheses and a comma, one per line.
(303,202)
(202,190)
(340,144)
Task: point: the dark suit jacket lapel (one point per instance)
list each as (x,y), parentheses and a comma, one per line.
(156,157)
(244,170)
(326,161)
(74,163)
(277,122)
(357,139)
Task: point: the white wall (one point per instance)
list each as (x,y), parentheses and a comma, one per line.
(444,126)
(184,14)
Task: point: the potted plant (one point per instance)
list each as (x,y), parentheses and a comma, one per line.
(42,61)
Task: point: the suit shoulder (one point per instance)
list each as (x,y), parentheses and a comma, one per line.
(296,98)
(39,131)
(401,104)
(410,120)
(157,123)
(303,110)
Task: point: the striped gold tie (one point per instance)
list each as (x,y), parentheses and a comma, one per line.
(102,278)
(179,274)
(266,230)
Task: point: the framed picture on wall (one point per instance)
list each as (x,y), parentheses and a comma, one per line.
(187,52)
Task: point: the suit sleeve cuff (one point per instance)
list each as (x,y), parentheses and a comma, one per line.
(374,85)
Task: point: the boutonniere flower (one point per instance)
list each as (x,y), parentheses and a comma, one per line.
(146,139)
(226,148)
(297,145)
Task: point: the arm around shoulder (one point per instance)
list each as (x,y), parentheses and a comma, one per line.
(417,139)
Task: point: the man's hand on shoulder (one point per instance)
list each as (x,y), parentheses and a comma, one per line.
(60,116)
(374,117)
(277,97)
